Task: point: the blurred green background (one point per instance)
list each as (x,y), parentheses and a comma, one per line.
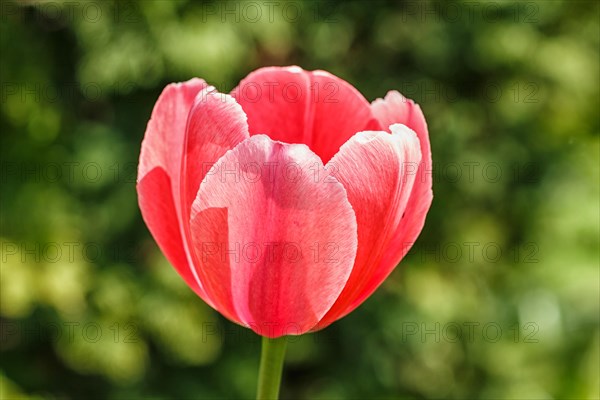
(499,298)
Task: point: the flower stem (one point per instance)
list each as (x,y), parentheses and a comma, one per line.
(271,366)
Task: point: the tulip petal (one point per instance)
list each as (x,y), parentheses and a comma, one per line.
(315,108)
(395,108)
(216,124)
(163,141)
(158,210)
(378,171)
(276,239)
(159,172)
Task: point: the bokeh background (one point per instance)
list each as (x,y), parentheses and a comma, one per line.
(499,298)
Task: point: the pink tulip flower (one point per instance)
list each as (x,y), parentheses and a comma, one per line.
(285,204)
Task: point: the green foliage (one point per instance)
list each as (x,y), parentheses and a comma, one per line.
(498,298)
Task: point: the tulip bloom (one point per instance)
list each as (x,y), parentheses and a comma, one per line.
(286,203)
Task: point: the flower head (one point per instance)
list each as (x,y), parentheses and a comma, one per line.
(285,204)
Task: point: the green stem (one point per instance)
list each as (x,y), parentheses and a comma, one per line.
(271,366)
